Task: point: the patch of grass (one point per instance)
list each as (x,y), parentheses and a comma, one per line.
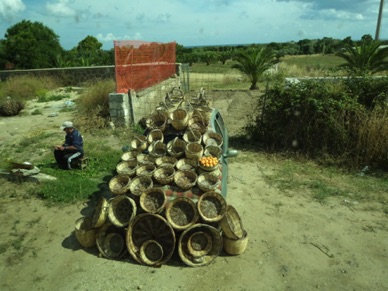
(37,112)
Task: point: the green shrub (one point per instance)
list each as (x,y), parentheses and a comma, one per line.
(11,107)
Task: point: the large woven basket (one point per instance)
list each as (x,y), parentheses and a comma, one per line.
(231,224)
(176,147)
(139,143)
(100,213)
(156,121)
(111,241)
(185,179)
(199,245)
(148,226)
(140,184)
(121,210)
(208,181)
(236,246)
(85,233)
(181,213)
(194,151)
(119,184)
(211,206)
(127,167)
(153,200)
(164,175)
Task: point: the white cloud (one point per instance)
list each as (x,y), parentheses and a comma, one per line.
(111,37)
(10,8)
(60,8)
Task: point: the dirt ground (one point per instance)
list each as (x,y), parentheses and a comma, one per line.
(295,243)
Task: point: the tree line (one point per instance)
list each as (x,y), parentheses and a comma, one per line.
(32,45)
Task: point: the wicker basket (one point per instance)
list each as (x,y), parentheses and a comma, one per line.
(211,206)
(143,159)
(156,121)
(121,210)
(148,226)
(231,224)
(127,167)
(119,184)
(181,213)
(194,151)
(139,143)
(212,151)
(111,241)
(185,179)
(100,213)
(140,184)
(208,181)
(198,123)
(164,175)
(85,233)
(151,252)
(166,161)
(192,135)
(176,147)
(153,200)
(155,135)
(186,164)
(235,246)
(199,245)
(130,155)
(146,170)
(212,138)
(179,118)
(157,149)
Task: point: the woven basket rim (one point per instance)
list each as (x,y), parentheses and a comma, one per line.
(231,224)
(170,219)
(221,212)
(113,203)
(147,192)
(146,260)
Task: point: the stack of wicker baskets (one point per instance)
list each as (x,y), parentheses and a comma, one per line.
(140,219)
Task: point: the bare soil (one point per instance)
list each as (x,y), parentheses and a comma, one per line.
(295,243)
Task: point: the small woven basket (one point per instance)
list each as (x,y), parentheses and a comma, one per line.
(153,200)
(119,184)
(212,151)
(139,143)
(185,179)
(140,184)
(198,123)
(157,149)
(186,164)
(146,170)
(235,246)
(176,147)
(151,252)
(166,161)
(181,213)
(211,206)
(212,138)
(127,167)
(130,155)
(164,175)
(179,118)
(111,241)
(208,181)
(192,135)
(194,151)
(231,224)
(143,159)
(100,213)
(199,244)
(85,233)
(156,121)
(121,210)
(155,135)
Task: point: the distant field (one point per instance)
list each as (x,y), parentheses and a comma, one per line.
(323,61)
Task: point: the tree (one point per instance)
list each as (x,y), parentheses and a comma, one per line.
(254,62)
(31,45)
(366,59)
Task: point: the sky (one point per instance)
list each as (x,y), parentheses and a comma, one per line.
(197,22)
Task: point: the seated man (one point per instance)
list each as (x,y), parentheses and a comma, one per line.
(71,149)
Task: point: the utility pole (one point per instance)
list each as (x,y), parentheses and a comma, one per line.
(377,36)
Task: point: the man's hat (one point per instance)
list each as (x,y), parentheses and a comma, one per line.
(67,124)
